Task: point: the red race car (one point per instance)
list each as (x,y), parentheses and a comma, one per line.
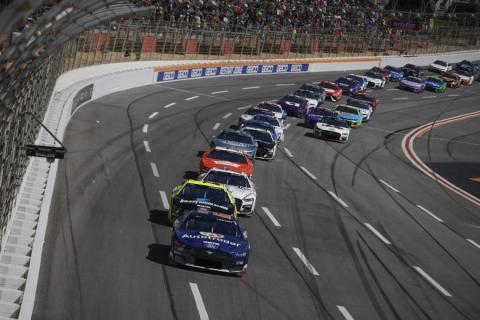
(224,158)
(332,90)
(371,100)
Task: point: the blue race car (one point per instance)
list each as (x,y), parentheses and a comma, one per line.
(395,74)
(348,85)
(316,114)
(209,240)
(435,84)
(350,115)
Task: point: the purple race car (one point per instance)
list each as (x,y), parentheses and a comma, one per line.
(294,106)
(314,115)
(412,84)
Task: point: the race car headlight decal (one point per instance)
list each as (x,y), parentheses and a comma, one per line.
(178,247)
(248,198)
(240,254)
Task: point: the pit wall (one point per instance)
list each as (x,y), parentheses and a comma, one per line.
(22,245)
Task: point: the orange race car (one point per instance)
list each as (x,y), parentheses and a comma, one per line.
(224,158)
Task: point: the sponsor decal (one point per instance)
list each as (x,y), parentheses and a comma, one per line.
(203,237)
(252,69)
(169,75)
(282,68)
(204,203)
(210,72)
(406,25)
(226,71)
(83,95)
(196,73)
(211,235)
(210,245)
(226,163)
(238,70)
(267,68)
(183,74)
(296,68)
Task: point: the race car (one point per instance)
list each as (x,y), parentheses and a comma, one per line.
(362,81)
(209,240)
(411,70)
(375,80)
(314,88)
(394,74)
(371,100)
(250,113)
(440,66)
(267,146)
(412,84)
(465,75)
(331,128)
(350,115)
(277,125)
(233,139)
(239,185)
(313,98)
(274,107)
(435,84)
(227,159)
(316,114)
(364,108)
(194,194)
(348,86)
(452,80)
(381,71)
(294,106)
(473,67)
(332,90)
(264,126)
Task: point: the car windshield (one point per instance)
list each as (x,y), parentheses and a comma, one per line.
(196,191)
(307,94)
(346,109)
(260,135)
(343,81)
(335,122)
(440,63)
(271,120)
(270,107)
(309,87)
(328,86)
(374,75)
(413,79)
(321,111)
(356,78)
(293,99)
(227,156)
(233,136)
(254,111)
(211,225)
(227,178)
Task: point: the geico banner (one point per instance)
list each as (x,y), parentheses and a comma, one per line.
(229,71)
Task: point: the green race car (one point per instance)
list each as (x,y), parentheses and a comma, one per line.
(435,84)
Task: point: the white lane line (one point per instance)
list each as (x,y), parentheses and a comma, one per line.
(286,126)
(288,152)
(337,198)
(271,216)
(216,126)
(153,115)
(473,243)
(429,213)
(170,105)
(227,115)
(284,84)
(250,88)
(305,261)
(191,98)
(400,98)
(345,313)
(378,234)
(145,128)
(432,282)
(389,186)
(308,173)
(147,146)
(202,311)
(219,92)
(154,169)
(429,97)
(454,95)
(244,107)
(393,89)
(164,198)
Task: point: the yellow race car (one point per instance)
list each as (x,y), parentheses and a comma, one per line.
(350,115)
(194,194)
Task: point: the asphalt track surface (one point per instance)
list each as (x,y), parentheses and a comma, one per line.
(389,244)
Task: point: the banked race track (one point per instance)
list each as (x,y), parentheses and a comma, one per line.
(340,231)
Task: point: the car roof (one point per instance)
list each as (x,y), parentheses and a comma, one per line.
(225,170)
(257,129)
(235,131)
(228,150)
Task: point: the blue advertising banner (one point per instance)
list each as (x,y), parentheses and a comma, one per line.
(230,70)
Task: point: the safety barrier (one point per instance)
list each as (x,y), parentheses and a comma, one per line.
(23,245)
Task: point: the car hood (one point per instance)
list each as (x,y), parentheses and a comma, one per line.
(228,143)
(349,116)
(240,193)
(315,117)
(323,126)
(211,241)
(220,163)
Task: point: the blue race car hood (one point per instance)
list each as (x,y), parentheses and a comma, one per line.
(432,83)
(212,241)
(348,116)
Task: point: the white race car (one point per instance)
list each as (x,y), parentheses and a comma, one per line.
(440,66)
(332,129)
(239,185)
(313,98)
(374,80)
(274,107)
(464,76)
